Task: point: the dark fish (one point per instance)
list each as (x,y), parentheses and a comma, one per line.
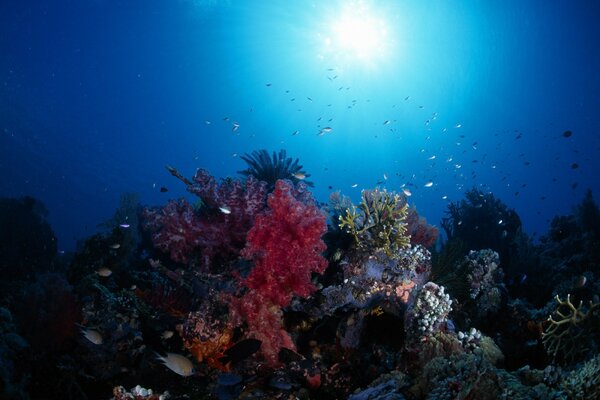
(164,190)
(240,351)
(567,134)
(574,166)
(287,356)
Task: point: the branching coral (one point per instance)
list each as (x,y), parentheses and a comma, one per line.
(569,333)
(379,223)
(269,169)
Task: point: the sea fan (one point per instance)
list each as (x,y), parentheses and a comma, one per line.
(269,169)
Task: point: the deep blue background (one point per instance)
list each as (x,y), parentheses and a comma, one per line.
(96,97)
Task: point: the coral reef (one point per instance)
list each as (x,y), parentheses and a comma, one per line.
(419,230)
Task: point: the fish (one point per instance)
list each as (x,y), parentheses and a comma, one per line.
(115,246)
(268,84)
(431,158)
(581,281)
(240,351)
(124,226)
(235,127)
(104,272)
(429,184)
(225,210)
(406,192)
(167,334)
(574,166)
(295,133)
(325,130)
(309,99)
(386,122)
(207,122)
(457,125)
(354,185)
(164,189)
(444,197)
(567,134)
(385,177)
(177,363)
(92,335)
(299,176)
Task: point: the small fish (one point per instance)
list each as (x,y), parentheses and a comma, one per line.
(295,133)
(567,134)
(268,84)
(574,166)
(354,185)
(124,226)
(104,272)
(444,197)
(225,210)
(207,122)
(177,363)
(385,177)
(500,222)
(325,130)
(299,176)
(431,158)
(92,335)
(458,125)
(309,99)
(429,184)
(167,334)
(406,192)
(386,122)
(235,127)
(115,246)
(581,281)
(164,189)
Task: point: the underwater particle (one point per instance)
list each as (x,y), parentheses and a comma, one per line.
(567,134)
(92,335)
(164,189)
(574,166)
(225,210)
(429,184)
(104,272)
(177,363)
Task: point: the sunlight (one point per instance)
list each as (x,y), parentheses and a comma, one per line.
(358,33)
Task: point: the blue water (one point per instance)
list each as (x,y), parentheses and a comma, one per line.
(96,97)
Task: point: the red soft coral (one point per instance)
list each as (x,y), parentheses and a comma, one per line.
(285,244)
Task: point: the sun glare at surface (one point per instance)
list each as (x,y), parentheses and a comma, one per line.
(356,32)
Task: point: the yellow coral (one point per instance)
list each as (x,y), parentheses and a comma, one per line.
(567,336)
(378,223)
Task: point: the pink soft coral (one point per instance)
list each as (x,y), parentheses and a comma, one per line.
(285,244)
